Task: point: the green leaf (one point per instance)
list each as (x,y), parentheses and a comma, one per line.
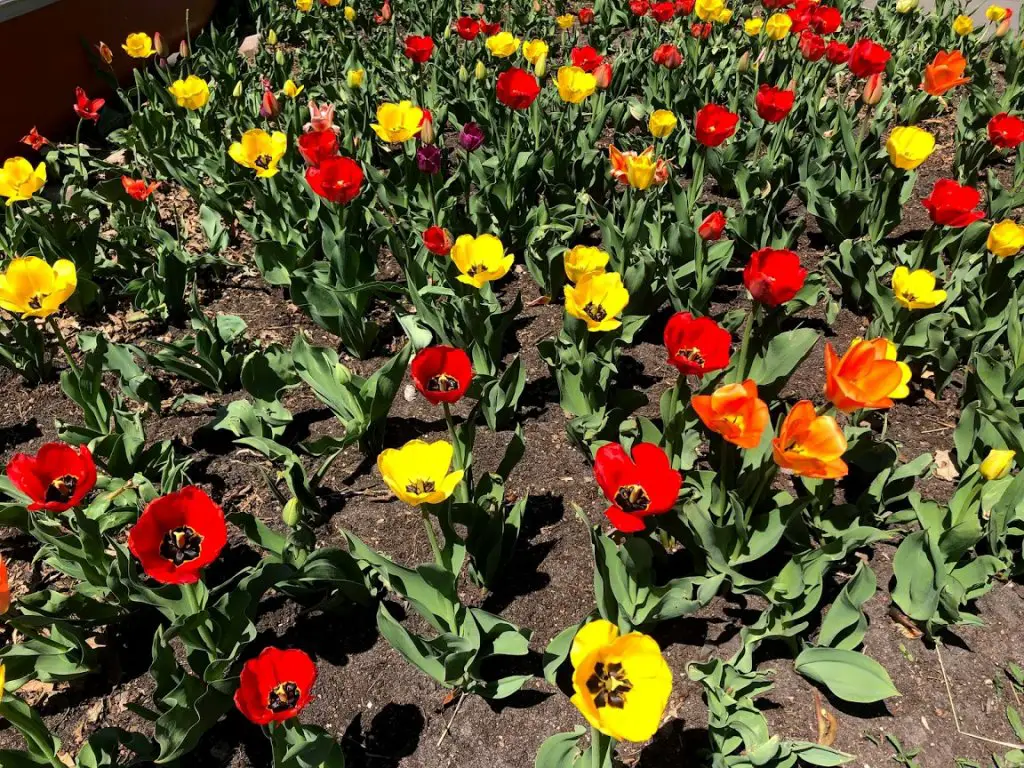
(773,367)
(845,624)
(850,675)
(561,750)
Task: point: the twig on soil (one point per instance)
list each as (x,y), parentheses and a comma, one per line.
(455,714)
(956,718)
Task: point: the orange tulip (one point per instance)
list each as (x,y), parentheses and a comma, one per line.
(863,377)
(5,592)
(944,73)
(810,445)
(735,412)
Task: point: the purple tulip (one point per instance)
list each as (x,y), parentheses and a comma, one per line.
(429,158)
(471,137)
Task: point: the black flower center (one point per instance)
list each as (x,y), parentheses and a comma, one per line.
(443,382)
(36,302)
(609,685)
(420,486)
(62,488)
(181,545)
(284,697)
(693,355)
(263,161)
(595,312)
(632,498)
(476,269)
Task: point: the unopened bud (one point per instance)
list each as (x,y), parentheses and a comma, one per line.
(183,49)
(292,512)
(743,65)
(541,67)
(232,69)
(463,74)
(279,57)
(872,90)
(479,71)
(1003,28)
(105,53)
(271,37)
(159,45)
(237,92)
(342,374)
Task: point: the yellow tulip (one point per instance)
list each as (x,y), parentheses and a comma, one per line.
(19,180)
(304,5)
(584,261)
(909,146)
(724,16)
(753,27)
(332,3)
(3,680)
(355,77)
(480,259)
(906,6)
(139,45)
(502,45)
(1006,238)
(565,21)
(662,123)
(191,93)
(574,85)
(778,25)
(397,123)
(271,37)
(995,13)
(641,171)
(417,473)
(260,151)
(32,288)
(997,464)
(597,300)
(963,25)
(916,290)
(621,683)
(350,13)
(535,50)
(708,10)
(291,90)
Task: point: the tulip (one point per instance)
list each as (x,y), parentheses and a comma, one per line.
(397,123)
(1006,131)
(260,151)
(350,14)
(597,300)
(996,465)
(272,37)
(480,259)
(467,27)
(58,477)
(418,473)
(105,53)
(639,7)
(1005,238)
(471,137)
(354,78)
(534,51)
(774,277)
(291,90)
(427,127)
(867,376)
(86,108)
(952,205)
(916,290)
(743,65)
(812,46)
(236,92)
(715,124)
(662,123)
(708,10)
(5,605)
(139,45)
(712,227)
(586,58)
(778,26)
(696,345)
(963,25)
(906,6)
(668,56)
(429,159)
(32,288)
(909,146)
(873,90)
(305,6)
(584,261)
(637,485)
(837,52)
(810,445)
(565,21)
(586,16)
(479,71)
(517,88)
(441,374)
(575,85)
(665,11)
(418,48)
(160,45)
(438,240)
(317,146)
(826,20)
(868,58)
(19,180)
(138,189)
(621,683)
(603,75)
(502,45)
(183,50)
(291,513)
(270,107)
(627,164)
(944,73)
(753,27)
(35,140)
(321,118)
(997,13)
(1004,27)
(735,412)
(774,104)
(191,93)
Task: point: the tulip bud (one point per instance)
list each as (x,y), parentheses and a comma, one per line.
(271,37)
(603,75)
(105,53)
(342,374)
(479,71)
(427,128)
(541,67)
(159,45)
(350,14)
(448,32)
(292,512)
(161,62)
(270,106)
(743,65)
(872,90)
(279,57)
(463,74)
(183,50)
(906,6)
(237,92)
(997,464)
(232,69)
(1003,28)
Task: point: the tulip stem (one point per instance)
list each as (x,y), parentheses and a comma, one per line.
(741,366)
(459,459)
(432,537)
(62,342)
(78,150)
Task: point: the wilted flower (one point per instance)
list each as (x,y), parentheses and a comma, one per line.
(105,53)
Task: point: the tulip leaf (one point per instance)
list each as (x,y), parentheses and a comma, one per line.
(849,675)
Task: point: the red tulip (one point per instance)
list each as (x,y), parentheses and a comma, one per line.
(603,74)
(56,478)
(86,108)
(419,48)
(467,28)
(637,486)
(696,345)
(490,27)
(317,146)
(1004,131)
(701,31)
(952,205)
(438,240)
(668,56)
(441,374)
(586,58)
(812,46)
(337,179)
(800,16)
(774,277)
(826,20)
(868,58)
(773,104)
(663,12)
(138,189)
(712,227)
(715,124)
(275,686)
(517,88)
(35,140)
(685,7)
(772,5)
(639,7)
(178,535)
(270,107)
(586,16)
(836,52)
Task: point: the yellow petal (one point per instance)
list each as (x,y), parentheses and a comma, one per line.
(590,637)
